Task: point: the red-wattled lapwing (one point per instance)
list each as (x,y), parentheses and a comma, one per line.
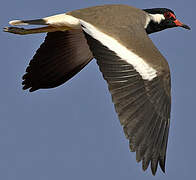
(138,76)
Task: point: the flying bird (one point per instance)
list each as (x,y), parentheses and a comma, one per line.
(137,74)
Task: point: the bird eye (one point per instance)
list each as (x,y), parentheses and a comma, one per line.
(169,15)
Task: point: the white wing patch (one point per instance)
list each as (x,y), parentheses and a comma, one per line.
(146,71)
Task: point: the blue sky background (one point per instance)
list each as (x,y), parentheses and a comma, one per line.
(72,132)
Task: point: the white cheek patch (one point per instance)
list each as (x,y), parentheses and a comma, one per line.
(146,71)
(157,17)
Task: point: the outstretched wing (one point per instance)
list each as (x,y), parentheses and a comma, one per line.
(59,58)
(141,95)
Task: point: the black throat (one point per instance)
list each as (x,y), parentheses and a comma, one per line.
(153,27)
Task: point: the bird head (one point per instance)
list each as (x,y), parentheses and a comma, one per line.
(162,18)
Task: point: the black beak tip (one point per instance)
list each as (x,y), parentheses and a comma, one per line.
(186,27)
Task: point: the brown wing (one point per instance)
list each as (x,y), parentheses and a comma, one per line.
(143,106)
(59,58)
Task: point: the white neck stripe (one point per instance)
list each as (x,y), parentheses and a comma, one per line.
(157,17)
(146,71)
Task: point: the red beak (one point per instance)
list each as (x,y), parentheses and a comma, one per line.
(178,23)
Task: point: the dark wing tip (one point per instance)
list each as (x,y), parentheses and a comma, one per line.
(154,165)
(162,164)
(25,87)
(145,164)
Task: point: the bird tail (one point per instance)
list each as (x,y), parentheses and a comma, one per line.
(28,22)
(56,20)
(60,22)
